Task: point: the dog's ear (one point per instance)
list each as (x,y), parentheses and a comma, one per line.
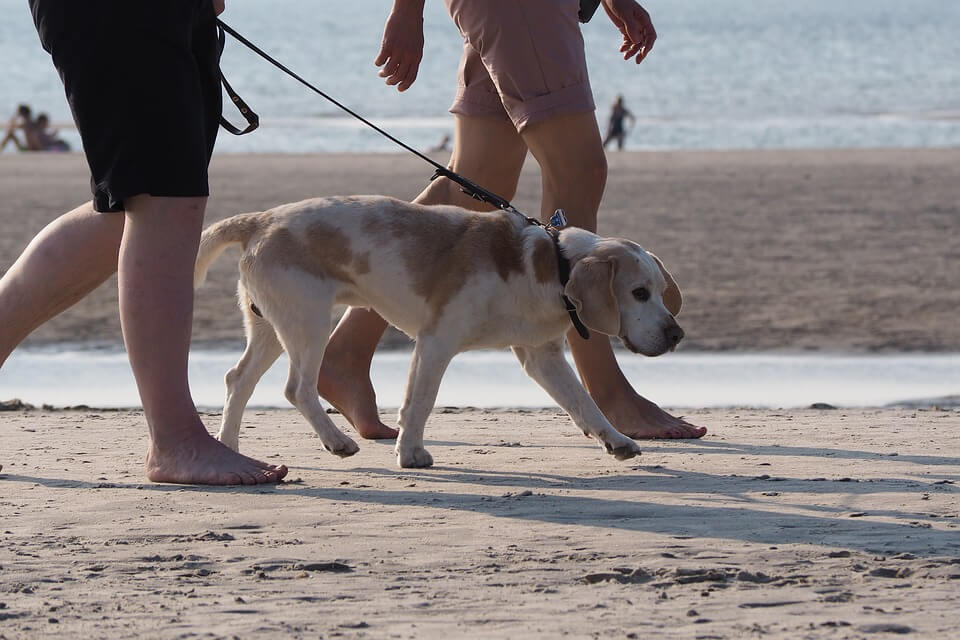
(672,298)
(590,289)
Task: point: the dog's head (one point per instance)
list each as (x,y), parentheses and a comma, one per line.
(622,290)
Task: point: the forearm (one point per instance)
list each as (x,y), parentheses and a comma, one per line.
(408,6)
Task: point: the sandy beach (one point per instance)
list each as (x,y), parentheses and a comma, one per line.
(779,524)
(802,250)
(805,524)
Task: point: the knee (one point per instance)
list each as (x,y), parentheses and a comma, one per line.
(292,390)
(595,171)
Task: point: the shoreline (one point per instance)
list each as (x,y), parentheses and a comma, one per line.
(493,378)
(828,250)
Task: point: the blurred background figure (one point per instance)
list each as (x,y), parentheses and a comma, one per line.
(443,145)
(22,122)
(615,128)
(45,138)
(32,134)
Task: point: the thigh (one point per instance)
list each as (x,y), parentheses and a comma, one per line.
(142,80)
(532,52)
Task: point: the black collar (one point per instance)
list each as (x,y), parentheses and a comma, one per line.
(563,270)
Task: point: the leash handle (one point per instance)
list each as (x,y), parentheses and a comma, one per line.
(253,120)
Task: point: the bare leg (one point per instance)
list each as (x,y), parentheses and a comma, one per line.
(574,181)
(67,260)
(345,374)
(157,254)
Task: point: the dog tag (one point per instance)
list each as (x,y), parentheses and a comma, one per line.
(558,220)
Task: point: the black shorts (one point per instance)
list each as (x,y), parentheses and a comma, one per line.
(143,82)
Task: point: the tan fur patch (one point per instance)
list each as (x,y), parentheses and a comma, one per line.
(442,252)
(323,251)
(544,261)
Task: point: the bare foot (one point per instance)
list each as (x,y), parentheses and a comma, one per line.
(351,393)
(635,416)
(201,459)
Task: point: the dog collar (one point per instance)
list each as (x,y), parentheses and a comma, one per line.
(563,270)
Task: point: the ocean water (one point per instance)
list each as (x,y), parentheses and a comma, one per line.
(724,74)
(494,379)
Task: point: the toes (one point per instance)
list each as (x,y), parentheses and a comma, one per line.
(416,459)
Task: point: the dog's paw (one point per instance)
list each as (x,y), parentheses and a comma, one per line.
(343,447)
(414,458)
(623,450)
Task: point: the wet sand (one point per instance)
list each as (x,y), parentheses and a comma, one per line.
(781,525)
(801,250)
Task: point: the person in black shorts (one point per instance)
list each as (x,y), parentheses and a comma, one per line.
(142,81)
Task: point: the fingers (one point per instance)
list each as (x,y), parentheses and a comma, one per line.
(219,6)
(636,26)
(398,70)
(401,49)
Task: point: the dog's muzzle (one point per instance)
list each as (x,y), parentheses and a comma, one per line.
(672,336)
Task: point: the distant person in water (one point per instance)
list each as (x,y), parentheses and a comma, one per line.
(615,129)
(443,145)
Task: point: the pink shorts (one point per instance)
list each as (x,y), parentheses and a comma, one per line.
(522,60)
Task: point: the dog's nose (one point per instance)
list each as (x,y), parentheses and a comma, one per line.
(674,335)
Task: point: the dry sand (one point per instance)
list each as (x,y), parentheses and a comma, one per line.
(825,250)
(802,524)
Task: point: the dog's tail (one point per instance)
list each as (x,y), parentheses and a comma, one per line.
(218,236)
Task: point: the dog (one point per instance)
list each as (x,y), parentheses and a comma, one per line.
(450,278)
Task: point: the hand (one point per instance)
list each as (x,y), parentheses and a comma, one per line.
(402,47)
(634,23)
(219,6)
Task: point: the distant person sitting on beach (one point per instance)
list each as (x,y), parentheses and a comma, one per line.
(46,138)
(443,145)
(23,121)
(615,128)
(37,135)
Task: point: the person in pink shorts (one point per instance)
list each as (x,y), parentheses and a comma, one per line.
(523,86)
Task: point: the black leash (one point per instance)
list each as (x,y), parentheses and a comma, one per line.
(469,187)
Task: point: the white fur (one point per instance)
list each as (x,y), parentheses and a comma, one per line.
(487,312)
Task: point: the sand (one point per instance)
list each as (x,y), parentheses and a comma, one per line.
(801,250)
(779,524)
(800,524)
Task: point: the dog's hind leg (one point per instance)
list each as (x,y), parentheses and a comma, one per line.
(547,366)
(262,351)
(303,329)
(430,360)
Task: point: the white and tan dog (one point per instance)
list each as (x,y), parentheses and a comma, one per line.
(450,278)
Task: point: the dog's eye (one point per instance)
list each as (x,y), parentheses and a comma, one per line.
(641,293)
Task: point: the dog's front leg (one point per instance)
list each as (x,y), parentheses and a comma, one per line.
(547,366)
(430,360)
